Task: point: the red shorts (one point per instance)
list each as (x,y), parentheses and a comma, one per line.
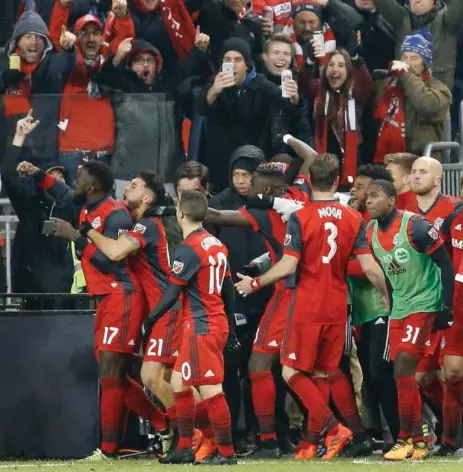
(119,317)
(310,348)
(432,354)
(165,339)
(200,360)
(411,335)
(271,330)
(452,343)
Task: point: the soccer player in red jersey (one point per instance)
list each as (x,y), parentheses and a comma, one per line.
(121,307)
(400,166)
(420,272)
(146,244)
(319,242)
(426,178)
(452,343)
(199,271)
(268,180)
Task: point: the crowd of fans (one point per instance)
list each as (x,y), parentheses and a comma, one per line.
(199,93)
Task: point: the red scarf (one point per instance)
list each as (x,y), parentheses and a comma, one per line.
(178,23)
(390,111)
(348,128)
(330,43)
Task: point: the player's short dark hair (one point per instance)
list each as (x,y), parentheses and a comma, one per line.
(386,186)
(402,159)
(273,170)
(192,170)
(374,172)
(101,173)
(324,171)
(193,204)
(156,185)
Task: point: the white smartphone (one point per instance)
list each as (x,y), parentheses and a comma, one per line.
(227,67)
(285,75)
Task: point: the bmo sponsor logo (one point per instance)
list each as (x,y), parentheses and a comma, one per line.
(457,243)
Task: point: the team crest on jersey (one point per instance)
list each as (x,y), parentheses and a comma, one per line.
(288,238)
(434,234)
(438,223)
(121,232)
(96,223)
(138,228)
(177,267)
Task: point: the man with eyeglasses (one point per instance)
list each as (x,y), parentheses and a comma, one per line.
(82,110)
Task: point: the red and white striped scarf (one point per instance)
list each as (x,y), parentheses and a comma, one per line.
(330,42)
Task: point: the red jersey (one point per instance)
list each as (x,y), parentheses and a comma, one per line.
(323,236)
(271,226)
(151,262)
(110,218)
(452,232)
(201,264)
(281,9)
(405,199)
(442,207)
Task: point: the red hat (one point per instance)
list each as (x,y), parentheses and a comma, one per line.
(85,20)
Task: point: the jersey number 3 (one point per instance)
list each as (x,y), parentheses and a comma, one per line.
(331,240)
(217,270)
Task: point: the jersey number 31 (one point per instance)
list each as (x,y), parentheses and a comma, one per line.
(331,240)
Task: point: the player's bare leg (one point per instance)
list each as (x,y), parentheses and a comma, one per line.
(263,399)
(410,442)
(220,420)
(313,392)
(117,393)
(453,404)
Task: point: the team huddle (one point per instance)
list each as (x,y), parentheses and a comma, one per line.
(320,252)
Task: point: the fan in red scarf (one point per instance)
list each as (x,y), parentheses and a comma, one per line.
(390,110)
(306,18)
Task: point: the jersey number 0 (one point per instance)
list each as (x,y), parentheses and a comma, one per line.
(331,240)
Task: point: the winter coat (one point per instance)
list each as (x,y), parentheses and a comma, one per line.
(40,264)
(444,22)
(42,92)
(243,244)
(427,104)
(239,115)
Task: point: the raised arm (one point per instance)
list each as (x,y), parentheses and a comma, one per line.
(392,12)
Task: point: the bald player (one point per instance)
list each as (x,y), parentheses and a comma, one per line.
(426,178)
(399,165)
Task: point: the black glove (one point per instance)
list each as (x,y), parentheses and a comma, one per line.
(251,270)
(232,343)
(145,330)
(264,202)
(443,320)
(12,76)
(84,228)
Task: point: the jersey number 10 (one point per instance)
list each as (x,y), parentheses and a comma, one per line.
(217,270)
(331,240)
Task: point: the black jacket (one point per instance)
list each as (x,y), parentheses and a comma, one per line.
(243,244)
(377,45)
(40,264)
(46,85)
(239,115)
(296,124)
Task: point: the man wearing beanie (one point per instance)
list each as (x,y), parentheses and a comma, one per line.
(443,21)
(238,110)
(243,246)
(411,106)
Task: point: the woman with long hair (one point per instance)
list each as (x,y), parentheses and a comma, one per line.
(340,95)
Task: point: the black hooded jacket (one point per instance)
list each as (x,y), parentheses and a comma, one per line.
(243,244)
(46,86)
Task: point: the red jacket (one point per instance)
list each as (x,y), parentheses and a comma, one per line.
(281,9)
(87,123)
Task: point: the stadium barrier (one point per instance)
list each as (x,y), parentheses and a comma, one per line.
(49,395)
